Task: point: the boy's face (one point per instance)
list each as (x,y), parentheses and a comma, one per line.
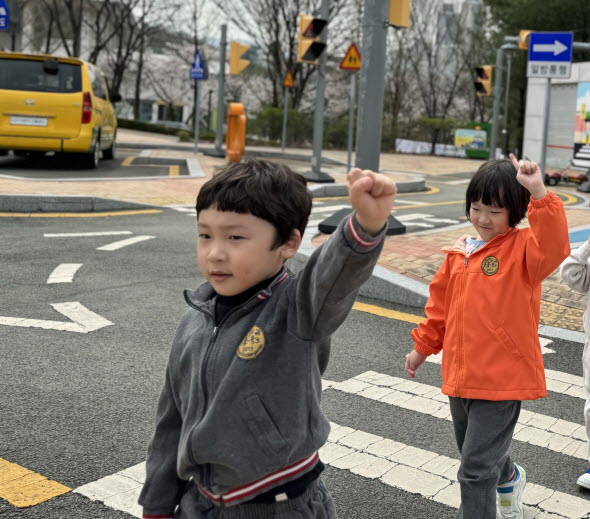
(234,250)
(488,220)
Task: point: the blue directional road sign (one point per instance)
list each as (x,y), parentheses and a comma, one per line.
(4,17)
(198,70)
(550,54)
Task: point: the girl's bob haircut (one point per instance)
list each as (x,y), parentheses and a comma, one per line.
(495,184)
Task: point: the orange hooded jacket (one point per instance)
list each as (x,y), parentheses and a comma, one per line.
(483,310)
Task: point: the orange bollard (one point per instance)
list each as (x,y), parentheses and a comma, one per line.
(235,140)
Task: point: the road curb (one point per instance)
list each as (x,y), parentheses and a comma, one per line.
(10,203)
(252,152)
(416,184)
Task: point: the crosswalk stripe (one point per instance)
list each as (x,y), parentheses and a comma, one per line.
(537,429)
(80,234)
(22,487)
(428,474)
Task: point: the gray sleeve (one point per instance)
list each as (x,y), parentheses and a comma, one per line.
(162,488)
(575,270)
(327,286)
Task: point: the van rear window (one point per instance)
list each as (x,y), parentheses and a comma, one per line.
(25,74)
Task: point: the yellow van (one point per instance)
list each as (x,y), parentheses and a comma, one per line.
(49,103)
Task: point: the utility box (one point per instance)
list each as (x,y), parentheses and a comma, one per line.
(235,140)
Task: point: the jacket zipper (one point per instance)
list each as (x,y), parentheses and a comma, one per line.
(460,317)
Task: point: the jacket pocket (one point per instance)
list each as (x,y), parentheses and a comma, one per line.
(262,425)
(509,343)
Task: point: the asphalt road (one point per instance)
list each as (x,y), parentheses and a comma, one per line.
(76,407)
(127,164)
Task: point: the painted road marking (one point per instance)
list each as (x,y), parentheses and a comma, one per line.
(174,171)
(80,215)
(537,429)
(119,491)
(557,381)
(80,234)
(127,161)
(427,473)
(64,273)
(123,243)
(22,487)
(83,320)
(332,208)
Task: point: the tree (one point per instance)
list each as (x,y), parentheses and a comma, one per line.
(273,25)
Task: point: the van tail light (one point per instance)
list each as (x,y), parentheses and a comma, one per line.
(86,108)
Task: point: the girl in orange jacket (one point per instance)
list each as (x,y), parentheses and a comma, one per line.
(483,311)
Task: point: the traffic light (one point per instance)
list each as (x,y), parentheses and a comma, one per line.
(236,63)
(483,83)
(524,37)
(309,46)
(399,13)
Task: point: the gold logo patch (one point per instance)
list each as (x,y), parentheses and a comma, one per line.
(490,265)
(252,344)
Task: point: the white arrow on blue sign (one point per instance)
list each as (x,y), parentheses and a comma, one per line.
(550,54)
(198,67)
(4,16)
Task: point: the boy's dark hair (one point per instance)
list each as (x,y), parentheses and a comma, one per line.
(267,190)
(495,184)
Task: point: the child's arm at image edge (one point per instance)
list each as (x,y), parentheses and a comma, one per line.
(575,270)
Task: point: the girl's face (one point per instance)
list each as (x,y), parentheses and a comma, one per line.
(488,220)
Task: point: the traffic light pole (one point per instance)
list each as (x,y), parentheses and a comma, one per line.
(285,111)
(218,151)
(316,175)
(372,85)
(498,94)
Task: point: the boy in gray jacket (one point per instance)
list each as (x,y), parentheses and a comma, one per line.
(238,423)
(575,272)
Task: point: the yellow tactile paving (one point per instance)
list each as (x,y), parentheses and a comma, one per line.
(22,487)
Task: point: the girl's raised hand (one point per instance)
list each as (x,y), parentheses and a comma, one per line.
(529,175)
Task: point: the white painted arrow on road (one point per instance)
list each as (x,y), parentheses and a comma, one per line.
(83,320)
(556,47)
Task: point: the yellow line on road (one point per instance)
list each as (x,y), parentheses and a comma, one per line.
(79,215)
(22,487)
(427,204)
(385,312)
(127,161)
(569,199)
(174,171)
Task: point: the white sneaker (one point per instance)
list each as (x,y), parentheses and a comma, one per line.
(509,504)
(584,480)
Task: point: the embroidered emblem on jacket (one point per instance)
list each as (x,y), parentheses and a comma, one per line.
(252,344)
(490,265)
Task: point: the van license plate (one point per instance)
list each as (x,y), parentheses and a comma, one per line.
(28,121)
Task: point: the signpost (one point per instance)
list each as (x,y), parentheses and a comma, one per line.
(550,56)
(352,62)
(287,84)
(198,73)
(4,15)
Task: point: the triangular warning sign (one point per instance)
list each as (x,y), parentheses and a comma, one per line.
(352,60)
(288,81)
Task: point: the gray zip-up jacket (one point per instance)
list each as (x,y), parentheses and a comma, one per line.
(575,272)
(242,400)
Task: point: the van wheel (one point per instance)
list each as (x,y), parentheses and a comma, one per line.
(109,154)
(552,181)
(90,160)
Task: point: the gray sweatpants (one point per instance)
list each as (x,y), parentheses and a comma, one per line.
(314,503)
(483,429)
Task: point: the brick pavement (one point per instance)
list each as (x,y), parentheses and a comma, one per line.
(419,256)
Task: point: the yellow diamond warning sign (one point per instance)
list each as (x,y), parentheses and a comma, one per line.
(352,60)
(288,81)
